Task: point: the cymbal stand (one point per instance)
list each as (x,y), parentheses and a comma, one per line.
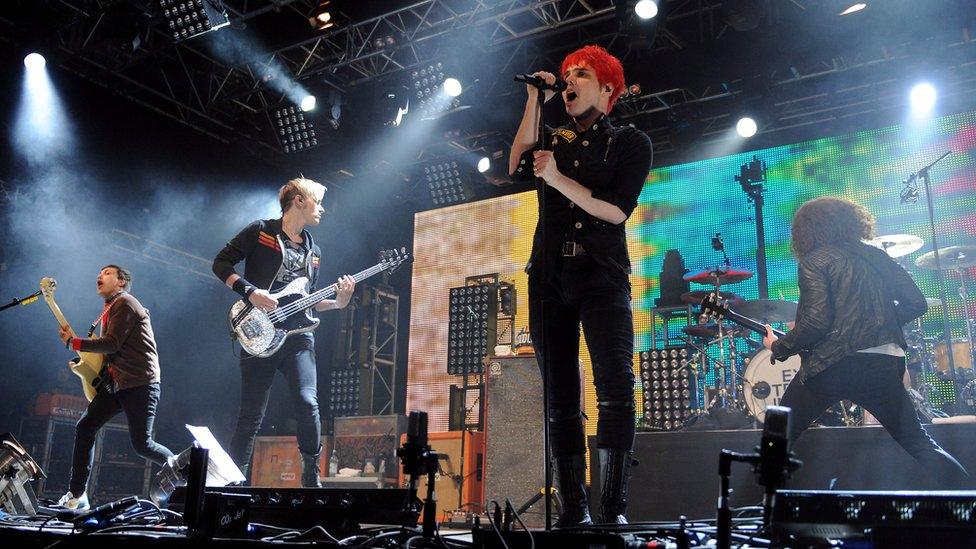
(967,316)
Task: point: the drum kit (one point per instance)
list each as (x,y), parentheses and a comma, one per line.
(927,355)
(746,383)
(742,383)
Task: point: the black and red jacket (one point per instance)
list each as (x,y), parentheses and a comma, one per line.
(259,246)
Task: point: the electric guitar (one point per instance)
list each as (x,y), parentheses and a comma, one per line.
(261,334)
(89,366)
(718,309)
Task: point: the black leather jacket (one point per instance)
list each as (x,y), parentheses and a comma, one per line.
(852,297)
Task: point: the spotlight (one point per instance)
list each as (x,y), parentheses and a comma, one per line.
(308,103)
(321,19)
(189,18)
(746,127)
(428,99)
(646,9)
(923,98)
(452,87)
(854,8)
(34,61)
(484,164)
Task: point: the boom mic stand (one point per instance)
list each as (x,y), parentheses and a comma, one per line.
(910,195)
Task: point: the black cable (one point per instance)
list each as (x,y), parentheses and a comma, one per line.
(519,520)
(494,527)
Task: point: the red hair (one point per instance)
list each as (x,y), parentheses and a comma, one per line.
(608,69)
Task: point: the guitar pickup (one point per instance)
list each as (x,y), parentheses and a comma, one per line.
(248,329)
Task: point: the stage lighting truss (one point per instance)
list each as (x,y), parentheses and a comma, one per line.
(295,133)
(472,328)
(669,387)
(429,95)
(186,19)
(346,391)
(444,182)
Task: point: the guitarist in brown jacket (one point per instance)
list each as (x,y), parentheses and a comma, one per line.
(854,300)
(130,380)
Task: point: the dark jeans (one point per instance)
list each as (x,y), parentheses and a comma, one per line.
(583,292)
(874,381)
(139,405)
(296,361)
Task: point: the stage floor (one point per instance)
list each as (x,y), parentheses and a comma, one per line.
(678,471)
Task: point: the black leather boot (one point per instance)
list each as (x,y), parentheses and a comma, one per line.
(310,469)
(614,477)
(571,481)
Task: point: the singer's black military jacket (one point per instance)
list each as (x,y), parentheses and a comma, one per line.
(613,162)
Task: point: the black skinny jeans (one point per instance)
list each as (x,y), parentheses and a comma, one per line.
(139,405)
(296,361)
(874,381)
(584,292)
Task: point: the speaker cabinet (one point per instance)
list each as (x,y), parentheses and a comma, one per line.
(514,465)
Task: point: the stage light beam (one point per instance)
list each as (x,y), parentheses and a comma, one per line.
(452,87)
(308,103)
(646,9)
(34,61)
(746,127)
(922,98)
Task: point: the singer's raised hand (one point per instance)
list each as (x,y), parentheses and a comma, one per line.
(548,77)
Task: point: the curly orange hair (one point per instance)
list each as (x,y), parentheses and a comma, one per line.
(829,220)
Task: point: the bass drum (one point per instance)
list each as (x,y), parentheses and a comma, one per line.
(764,382)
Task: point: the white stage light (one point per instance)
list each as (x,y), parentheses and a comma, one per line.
(484,164)
(34,61)
(854,8)
(452,87)
(923,98)
(646,9)
(746,127)
(308,103)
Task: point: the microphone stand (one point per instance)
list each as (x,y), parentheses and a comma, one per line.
(541,188)
(23,301)
(923,174)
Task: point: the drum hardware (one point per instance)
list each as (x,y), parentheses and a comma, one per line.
(767,311)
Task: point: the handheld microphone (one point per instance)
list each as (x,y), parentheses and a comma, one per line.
(539,82)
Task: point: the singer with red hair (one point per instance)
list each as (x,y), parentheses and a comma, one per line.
(578,271)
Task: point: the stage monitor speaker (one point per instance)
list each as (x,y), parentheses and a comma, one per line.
(277,463)
(514,461)
(458,485)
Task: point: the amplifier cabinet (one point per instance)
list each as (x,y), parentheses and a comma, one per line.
(459,483)
(277,462)
(370,439)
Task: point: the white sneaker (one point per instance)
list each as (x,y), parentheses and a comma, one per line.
(69,501)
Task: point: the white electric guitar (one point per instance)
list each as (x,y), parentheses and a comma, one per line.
(261,334)
(89,366)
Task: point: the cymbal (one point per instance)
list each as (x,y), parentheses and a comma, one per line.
(697,296)
(896,245)
(951,257)
(766,310)
(724,276)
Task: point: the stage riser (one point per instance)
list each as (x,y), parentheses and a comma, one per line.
(678,472)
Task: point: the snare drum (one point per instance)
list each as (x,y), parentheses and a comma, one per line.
(962,356)
(765,383)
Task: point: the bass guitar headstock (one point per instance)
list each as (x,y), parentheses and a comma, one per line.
(393,258)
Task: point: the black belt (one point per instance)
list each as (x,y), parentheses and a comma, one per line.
(572,249)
